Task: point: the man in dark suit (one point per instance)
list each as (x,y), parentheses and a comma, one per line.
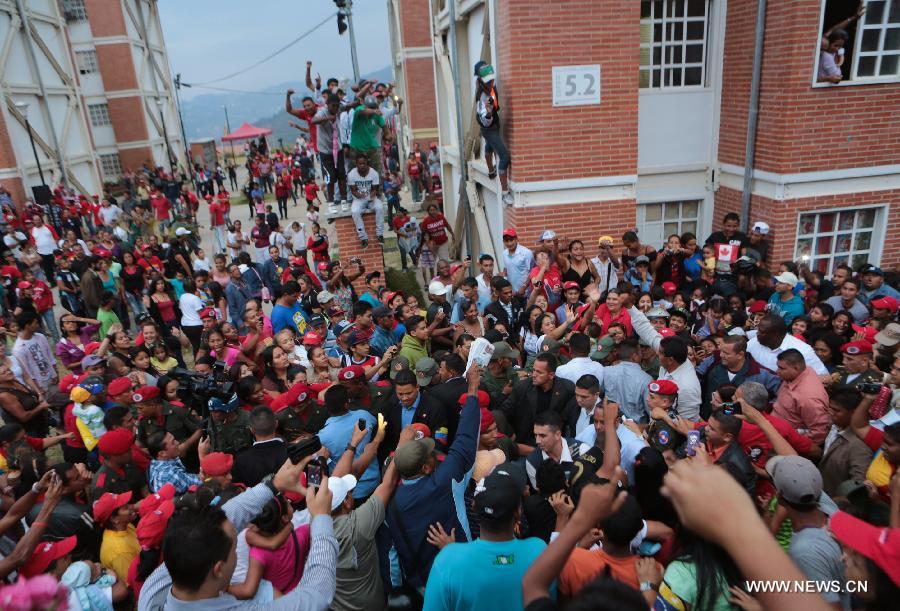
(410,405)
(506,311)
(451,387)
(267,453)
(543,391)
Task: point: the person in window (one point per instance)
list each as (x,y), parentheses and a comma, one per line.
(831,52)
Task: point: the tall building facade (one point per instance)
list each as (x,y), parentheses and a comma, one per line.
(635,115)
(90,81)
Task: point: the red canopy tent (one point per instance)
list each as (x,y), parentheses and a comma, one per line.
(247,132)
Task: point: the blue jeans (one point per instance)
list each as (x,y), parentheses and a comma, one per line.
(136,304)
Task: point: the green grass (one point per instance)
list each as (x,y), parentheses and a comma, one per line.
(397,280)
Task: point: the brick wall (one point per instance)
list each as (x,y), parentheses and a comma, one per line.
(106,17)
(347,245)
(133,158)
(128,120)
(801,128)
(782,218)
(585,222)
(116,67)
(415,22)
(420,105)
(548,143)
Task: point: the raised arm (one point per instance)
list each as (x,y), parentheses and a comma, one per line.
(644,329)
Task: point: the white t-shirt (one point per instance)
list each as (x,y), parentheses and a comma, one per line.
(235,242)
(201,265)
(110,214)
(363,184)
(12,243)
(190,306)
(43,240)
(278,239)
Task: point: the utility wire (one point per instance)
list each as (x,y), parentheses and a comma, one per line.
(192,85)
(271,55)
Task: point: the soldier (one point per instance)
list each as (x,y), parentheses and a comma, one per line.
(118,474)
(156,416)
(499,377)
(297,414)
(229,427)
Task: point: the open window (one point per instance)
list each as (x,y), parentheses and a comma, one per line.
(871,49)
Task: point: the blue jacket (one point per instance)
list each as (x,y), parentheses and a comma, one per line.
(237,297)
(253,280)
(429,499)
(271,276)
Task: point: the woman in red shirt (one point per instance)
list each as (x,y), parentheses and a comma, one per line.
(436,226)
(612,311)
(283,190)
(414,170)
(317,243)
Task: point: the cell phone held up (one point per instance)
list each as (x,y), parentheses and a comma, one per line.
(731,408)
(300,450)
(315,470)
(869,388)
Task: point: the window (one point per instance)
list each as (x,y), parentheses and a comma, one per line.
(827,239)
(659,220)
(99,114)
(673,43)
(74,10)
(878,45)
(110,166)
(86,61)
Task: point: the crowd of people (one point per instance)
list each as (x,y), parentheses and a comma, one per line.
(638,428)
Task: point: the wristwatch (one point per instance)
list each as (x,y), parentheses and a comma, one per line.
(267,480)
(350,447)
(647,585)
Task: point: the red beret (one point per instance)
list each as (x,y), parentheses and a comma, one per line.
(68,383)
(216,463)
(117,441)
(208,313)
(663,387)
(857,347)
(118,386)
(298,393)
(152,527)
(352,372)
(422,430)
(152,502)
(107,505)
(484,399)
(144,394)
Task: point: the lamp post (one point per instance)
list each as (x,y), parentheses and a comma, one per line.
(228,129)
(162,118)
(23,108)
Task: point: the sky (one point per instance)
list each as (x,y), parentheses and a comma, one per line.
(208,39)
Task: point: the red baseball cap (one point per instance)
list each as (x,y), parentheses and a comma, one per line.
(152,526)
(68,383)
(323,265)
(91,348)
(353,372)
(115,442)
(510,233)
(571,284)
(669,288)
(217,463)
(879,544)
(487,418)
(484,399)
(312,339)
(45,553)
(118,386)
(757,306)
(886,303)
(152,502)
(857,347)
(663,387)
(666,332)
(868,332)
(24,284)
(106,505)
(389,296)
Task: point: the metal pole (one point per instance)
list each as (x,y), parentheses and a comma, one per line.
(228,127)
(463,164)
(37,159)
(162,118)
(187,150)
(349,13)
(753,115)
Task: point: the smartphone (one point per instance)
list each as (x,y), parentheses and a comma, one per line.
(313,475)
(693,440)
(869,388)
(307,447)
(731,408)
(361,423)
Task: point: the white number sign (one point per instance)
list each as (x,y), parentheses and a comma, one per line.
(576,85)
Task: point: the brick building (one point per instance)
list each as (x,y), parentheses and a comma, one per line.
(412,60)
(92,78)
(663,148)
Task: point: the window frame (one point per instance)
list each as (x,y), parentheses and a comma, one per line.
(875,243)
(102,115)
(91,56)
(109,174)
(642,223)
(667,63)
(74,10)
(857,43)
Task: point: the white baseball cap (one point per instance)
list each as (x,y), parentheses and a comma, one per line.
(787,278)
(436,287)
(761,228)
(340,487)
(548,234)
(182,231)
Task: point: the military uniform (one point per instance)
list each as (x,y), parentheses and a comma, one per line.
(310,420)
(231,437)
(175,420)
(494,385)
(870,375)
(110,479)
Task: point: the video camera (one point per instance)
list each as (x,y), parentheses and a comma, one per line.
(196,389)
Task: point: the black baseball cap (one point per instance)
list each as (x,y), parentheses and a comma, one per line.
(497,497)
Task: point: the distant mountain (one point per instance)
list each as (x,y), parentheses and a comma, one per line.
(204,115)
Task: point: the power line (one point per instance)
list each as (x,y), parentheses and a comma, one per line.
(192,85)
(271,55)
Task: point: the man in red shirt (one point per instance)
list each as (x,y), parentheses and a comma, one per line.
(161,206)
(217,220)
(306,113)
(311,191)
